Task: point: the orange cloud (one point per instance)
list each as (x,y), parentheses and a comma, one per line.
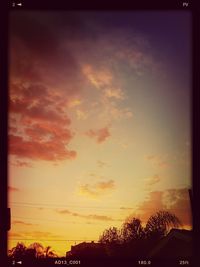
(100,135)
(98,78)
(40,234)
(125,208)
(153,180)
(106,185)
(98,189)
(116,93)
(22,223)
(15,235)
(157,161)
(81,115)
(173,200)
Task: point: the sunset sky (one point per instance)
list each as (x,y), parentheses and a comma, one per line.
(99,122)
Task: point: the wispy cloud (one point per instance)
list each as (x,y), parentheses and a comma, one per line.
(98,189)
(81,114)
(116,93)
(19,163)
(152,180)
(98,78)
(22,223)
(15,235)
(102,164)
(158,161)
(110,92)
(40,235)
(90,216)
(125,208)
(99,135)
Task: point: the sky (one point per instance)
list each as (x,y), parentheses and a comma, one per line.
(99,121)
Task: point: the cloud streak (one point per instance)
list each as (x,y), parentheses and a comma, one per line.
(13,189)
(90,216)
(22,223)
(152,180)
(157,161)
(98,189)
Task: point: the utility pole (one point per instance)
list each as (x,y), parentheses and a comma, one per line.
(191,201)
(8,221)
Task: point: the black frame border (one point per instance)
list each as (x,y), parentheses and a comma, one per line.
(99,5)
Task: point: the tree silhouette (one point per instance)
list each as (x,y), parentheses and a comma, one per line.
(110,236)
(17,252)
(135,240)
(160,223)
(132,230)
(37,249)
(48,253)
(33,251)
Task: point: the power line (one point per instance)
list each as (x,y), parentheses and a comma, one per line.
(36,205)
(39,219)
(54,240)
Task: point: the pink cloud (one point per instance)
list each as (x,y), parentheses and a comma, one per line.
(158,161)
(13,189)
(39,150)
(41,130)
(99,135)
(22,164)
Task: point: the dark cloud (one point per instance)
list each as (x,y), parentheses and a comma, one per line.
(37,53)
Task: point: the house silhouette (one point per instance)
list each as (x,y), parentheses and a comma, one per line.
(87,249)
(176,244)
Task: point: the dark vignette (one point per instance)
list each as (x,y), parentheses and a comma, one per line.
(99,5)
